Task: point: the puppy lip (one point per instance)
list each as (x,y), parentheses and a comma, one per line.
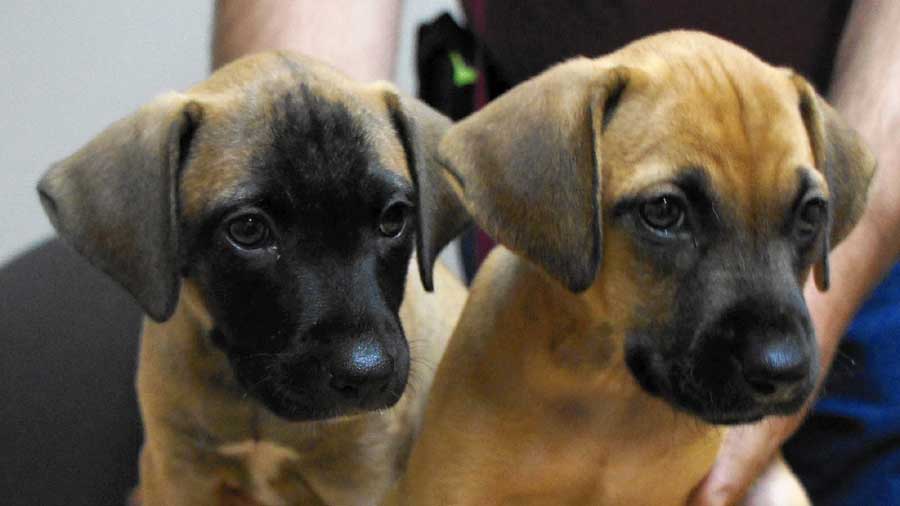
(640,364)
(712,415)
(316,401)
(752,414)
(753,408)
(731,418)
(648,382)
(756,410)
(292,405)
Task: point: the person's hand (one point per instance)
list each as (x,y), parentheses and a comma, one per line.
(777,485)
(747,462)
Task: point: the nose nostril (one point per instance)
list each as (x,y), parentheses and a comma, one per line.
(762,387)
(346,389)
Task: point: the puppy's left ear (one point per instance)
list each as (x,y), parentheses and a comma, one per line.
(440,215)
(847,164)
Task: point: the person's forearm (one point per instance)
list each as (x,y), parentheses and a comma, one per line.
(358,37)
(865,91)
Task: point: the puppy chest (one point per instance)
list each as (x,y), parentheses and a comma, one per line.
(263,473)
(615,468)
(657,471)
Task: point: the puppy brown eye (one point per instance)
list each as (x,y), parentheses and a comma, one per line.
(662,213)
(248,231)
(813,213)
(393,219)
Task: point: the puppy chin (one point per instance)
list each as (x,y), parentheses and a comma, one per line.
(725,401)
(307,398)
(749,411)
(296,408)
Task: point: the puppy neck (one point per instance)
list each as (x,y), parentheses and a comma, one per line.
(179,355)
(561,343)
(189,324)
(191,302)
(554,358)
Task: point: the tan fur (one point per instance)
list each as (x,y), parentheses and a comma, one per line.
(207,442)
(533,403)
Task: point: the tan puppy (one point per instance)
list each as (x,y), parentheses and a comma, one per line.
(660,209)
(265,221)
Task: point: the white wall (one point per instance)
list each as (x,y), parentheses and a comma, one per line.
(68,69)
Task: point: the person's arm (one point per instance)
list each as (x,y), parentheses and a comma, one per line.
(865,91)
(357,37)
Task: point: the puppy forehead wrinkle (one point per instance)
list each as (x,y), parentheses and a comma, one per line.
(370,111)
(281,130)
(738,116)
(309,130)
(693,178)
(320,147)
(215,171)
(387,147)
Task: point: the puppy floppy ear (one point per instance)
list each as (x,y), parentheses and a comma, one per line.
(847,164)
(439,212)
(115,200)
(529,166)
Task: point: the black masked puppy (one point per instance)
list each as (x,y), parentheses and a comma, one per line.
(265,220)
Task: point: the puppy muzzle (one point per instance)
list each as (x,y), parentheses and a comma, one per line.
(743,366)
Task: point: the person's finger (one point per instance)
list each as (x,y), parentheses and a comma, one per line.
(745,452)
(777,486)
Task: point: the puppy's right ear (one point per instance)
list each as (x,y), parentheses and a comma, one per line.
(440,215)
(115,200)
(529,166)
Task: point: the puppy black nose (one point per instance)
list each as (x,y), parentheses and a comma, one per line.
(773,364)
(363,369)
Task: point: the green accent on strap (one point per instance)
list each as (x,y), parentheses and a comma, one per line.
(463,75)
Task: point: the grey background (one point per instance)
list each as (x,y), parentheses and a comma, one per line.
(71,68)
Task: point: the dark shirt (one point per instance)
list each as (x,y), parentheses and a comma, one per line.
(524,37)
